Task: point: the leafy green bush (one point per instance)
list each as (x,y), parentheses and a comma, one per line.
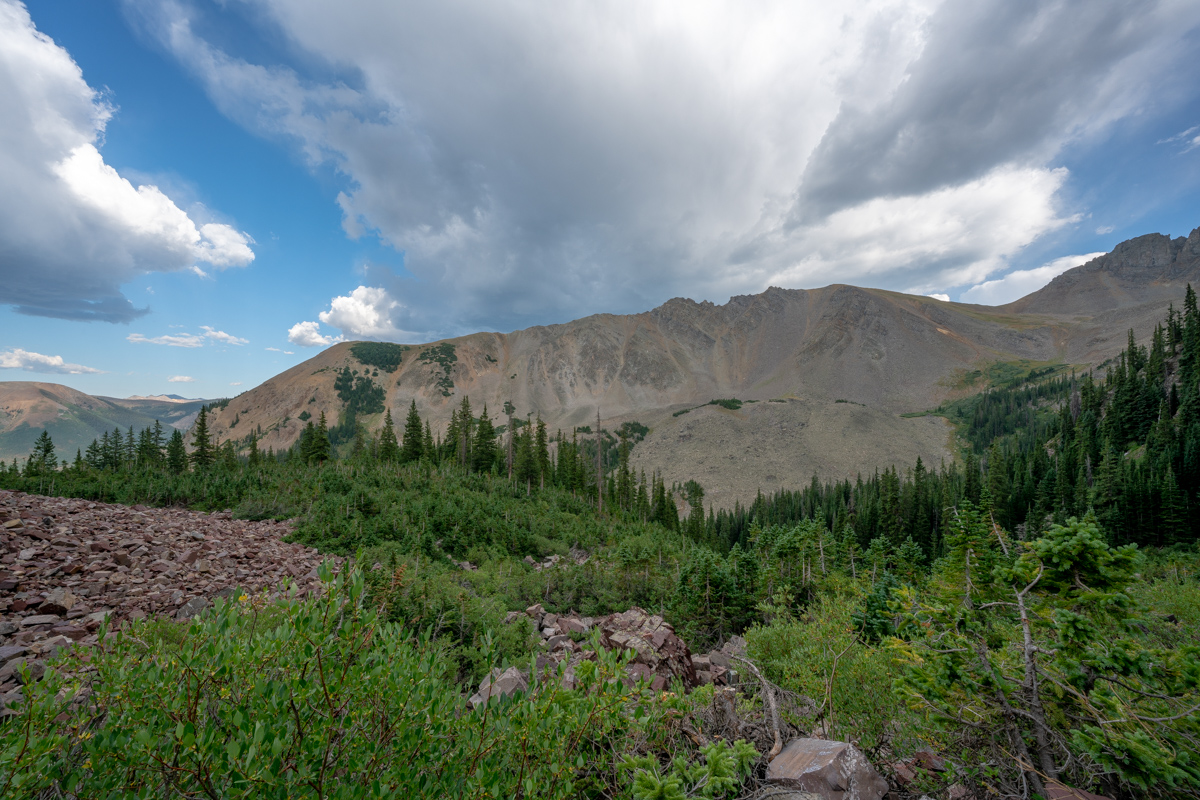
(818,656)
(320,699)
(724,768)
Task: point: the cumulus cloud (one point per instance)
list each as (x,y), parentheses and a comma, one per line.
(1019,283)
(17,358)
(171,340)
(308,334)
(222,336)
(72,229)
(945,298)
(181,379)
(564,159)
(366,313)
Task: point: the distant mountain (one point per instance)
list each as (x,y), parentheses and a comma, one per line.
(162,398)
(74,419)
(824,373)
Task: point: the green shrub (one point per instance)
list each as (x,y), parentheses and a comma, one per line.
(319,699)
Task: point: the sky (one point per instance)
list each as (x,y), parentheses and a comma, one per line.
(196,195)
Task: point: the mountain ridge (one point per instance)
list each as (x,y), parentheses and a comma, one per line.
(838,358)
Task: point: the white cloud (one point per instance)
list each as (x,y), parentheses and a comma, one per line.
(181,379)
(1016,285)
(308,334)
(72,230)
(579,157)
(182,340)
(949,237)
(17,358)
(236,383)
(195,270)
(366,313)
(188,339)
(222,336)
(945,298)
(1105,229)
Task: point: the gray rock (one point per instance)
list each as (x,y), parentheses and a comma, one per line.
(10,651)
(191,608)
(830,770)
(40,619)
(500,684)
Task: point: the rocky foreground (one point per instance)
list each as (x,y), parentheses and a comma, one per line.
(67,564)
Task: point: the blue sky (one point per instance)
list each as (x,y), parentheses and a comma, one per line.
(212,191)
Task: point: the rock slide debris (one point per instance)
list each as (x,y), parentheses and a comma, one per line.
(66,564)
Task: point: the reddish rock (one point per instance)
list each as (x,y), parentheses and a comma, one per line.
(653,641)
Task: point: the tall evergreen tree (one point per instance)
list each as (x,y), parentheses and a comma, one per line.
(483,449)
(414,436)
(389,448)
(42,459)
(177,457)
(202,448)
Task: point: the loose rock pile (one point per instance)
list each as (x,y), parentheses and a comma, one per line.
(660,656)
(67,564)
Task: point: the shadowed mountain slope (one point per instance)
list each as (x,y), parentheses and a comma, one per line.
(74,419)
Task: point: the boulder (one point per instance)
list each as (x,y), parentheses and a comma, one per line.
(500,684)
(653,641)
(58,601)
(830,770)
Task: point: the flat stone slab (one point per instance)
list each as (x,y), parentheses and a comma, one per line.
(829,770)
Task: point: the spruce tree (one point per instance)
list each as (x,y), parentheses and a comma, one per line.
(483,449)
(177,457)
(202,447)
(389,448)
(541,452)
(42,460)
(253,458)
(319,448)
(414,436)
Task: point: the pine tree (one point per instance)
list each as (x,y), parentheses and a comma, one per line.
(428,446)
(483,449)
(42,460)
(319,447)
(177,457)
(389,448)
(202,448)
(541,452)
(254,458)
(414,437)
(525,465)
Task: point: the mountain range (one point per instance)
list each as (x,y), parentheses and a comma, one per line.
(823,375)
